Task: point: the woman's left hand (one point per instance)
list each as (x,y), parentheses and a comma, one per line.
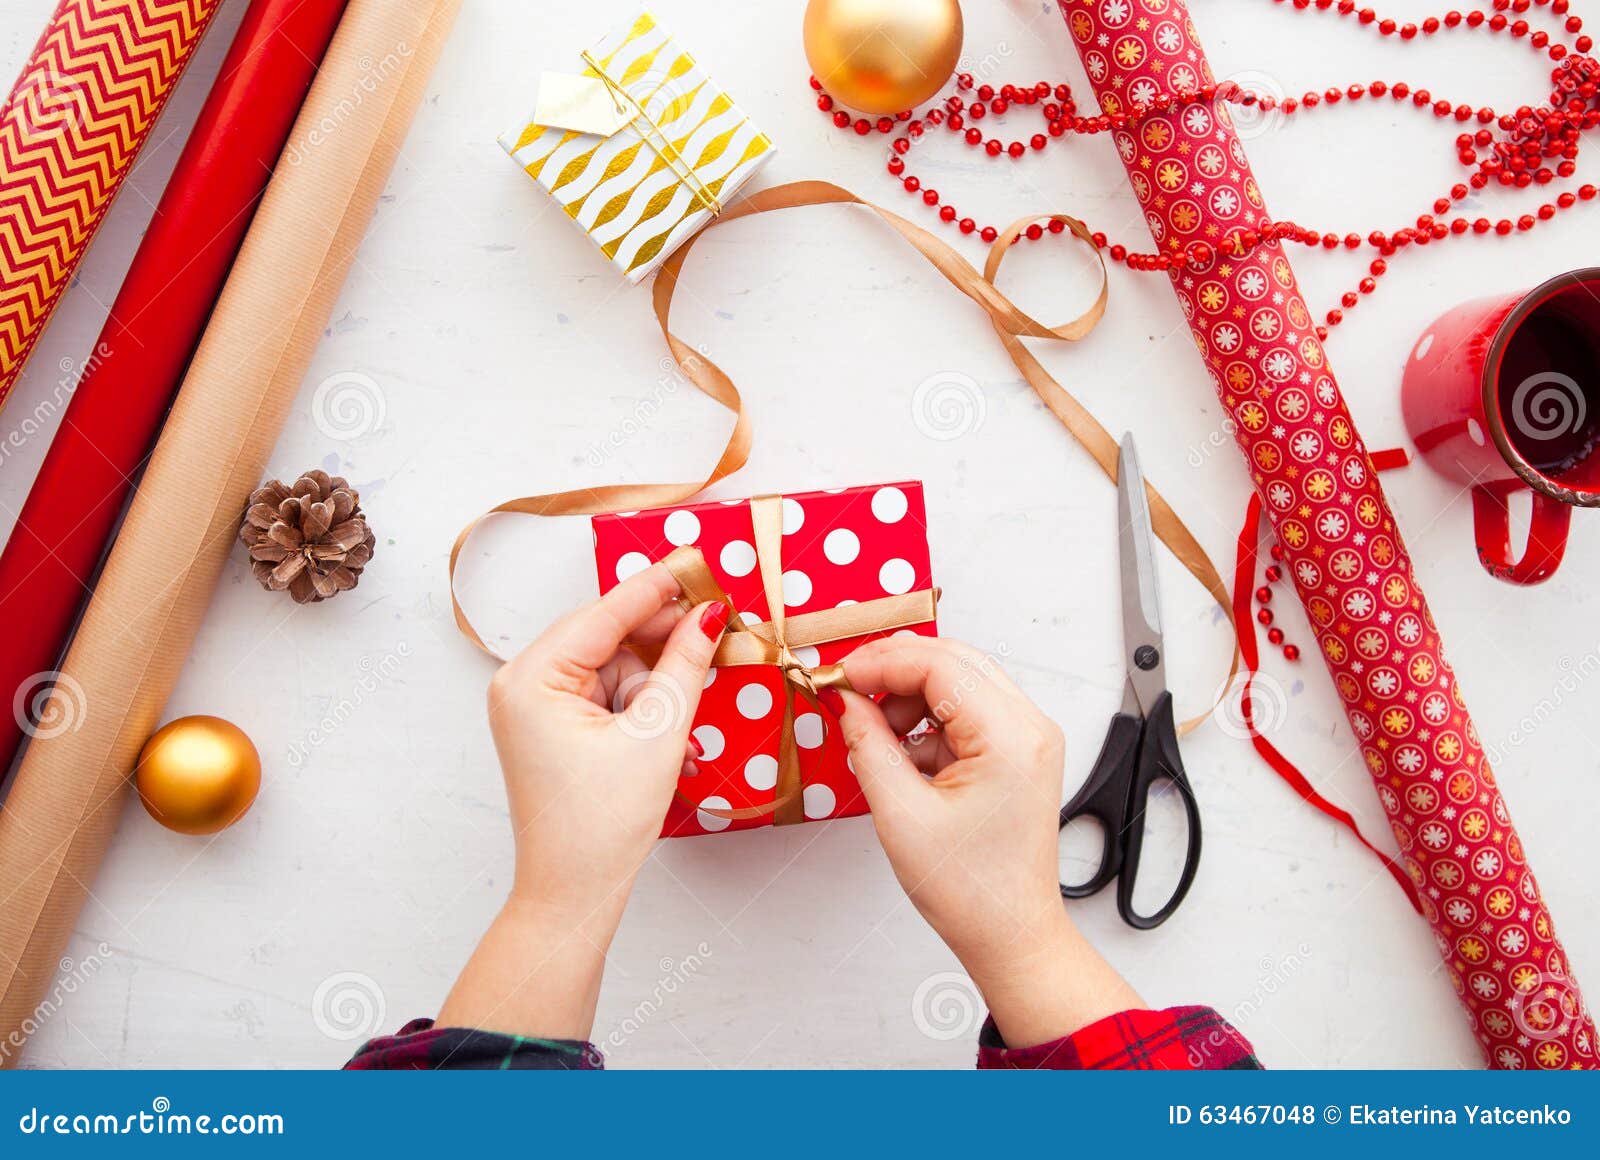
(591,742)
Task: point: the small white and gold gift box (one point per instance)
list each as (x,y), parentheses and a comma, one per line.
(641,148)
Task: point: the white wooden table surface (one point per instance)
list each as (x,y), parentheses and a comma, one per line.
(498,355)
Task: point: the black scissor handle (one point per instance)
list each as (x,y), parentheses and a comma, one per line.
(1104,797)
(1158,761)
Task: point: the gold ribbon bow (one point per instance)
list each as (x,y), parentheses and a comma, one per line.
(774,643)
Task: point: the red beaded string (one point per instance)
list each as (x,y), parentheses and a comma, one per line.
(1272,575)
(1514,149)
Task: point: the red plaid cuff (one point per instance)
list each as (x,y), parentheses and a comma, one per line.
(1177,1039)
(420,1046)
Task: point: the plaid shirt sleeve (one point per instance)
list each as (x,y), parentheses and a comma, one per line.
(420,1046)
(1177,1039)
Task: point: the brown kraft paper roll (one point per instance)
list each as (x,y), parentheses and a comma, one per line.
(62,810)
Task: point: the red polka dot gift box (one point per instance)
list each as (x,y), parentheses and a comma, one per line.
(859,548)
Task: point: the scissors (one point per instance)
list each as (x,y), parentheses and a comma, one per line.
(1141,747)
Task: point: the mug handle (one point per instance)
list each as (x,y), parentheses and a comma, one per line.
(1547,534)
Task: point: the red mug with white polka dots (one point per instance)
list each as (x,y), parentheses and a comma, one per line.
(1502,395)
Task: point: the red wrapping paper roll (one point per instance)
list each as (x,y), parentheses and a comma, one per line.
(152,330)
(1318,487)
(70,133)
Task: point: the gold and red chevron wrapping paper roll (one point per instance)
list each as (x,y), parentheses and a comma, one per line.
(1258,339)
(70,133)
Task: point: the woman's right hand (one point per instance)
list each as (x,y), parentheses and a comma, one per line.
(967,814)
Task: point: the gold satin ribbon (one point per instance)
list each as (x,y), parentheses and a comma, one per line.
(773,643)
(1010,322)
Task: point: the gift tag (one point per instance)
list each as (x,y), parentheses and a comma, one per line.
(579,104)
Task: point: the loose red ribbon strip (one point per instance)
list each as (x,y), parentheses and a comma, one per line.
(1243,580)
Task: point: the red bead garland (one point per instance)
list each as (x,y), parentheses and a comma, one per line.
(1273,573)
(1531,146)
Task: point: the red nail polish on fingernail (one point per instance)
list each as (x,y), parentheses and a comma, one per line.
(714,619)
(831,701)
(694,743)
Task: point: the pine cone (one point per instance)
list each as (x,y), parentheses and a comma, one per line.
(310,538)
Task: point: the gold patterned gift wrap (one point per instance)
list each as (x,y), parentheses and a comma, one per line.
(641,148)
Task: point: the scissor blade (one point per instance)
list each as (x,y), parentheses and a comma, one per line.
(1141,610)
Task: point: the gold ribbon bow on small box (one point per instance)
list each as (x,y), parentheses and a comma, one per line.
(774,642)
(641,148)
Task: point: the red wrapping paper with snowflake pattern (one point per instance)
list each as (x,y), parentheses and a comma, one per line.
(839,547)
(1250,322)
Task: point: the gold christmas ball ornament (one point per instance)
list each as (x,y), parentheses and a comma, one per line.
(198,775)
(883,56)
